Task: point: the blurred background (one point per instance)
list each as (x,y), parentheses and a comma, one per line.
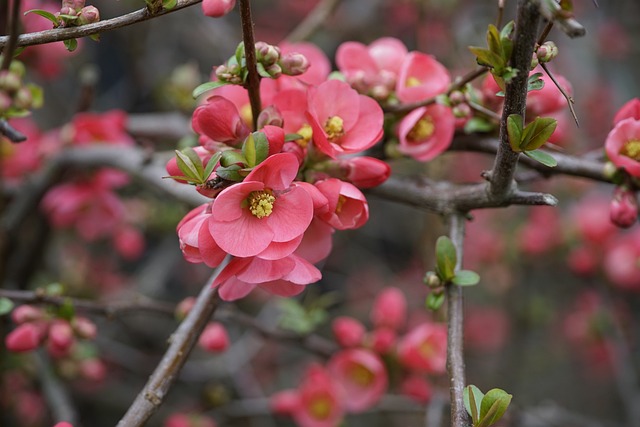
(555,320)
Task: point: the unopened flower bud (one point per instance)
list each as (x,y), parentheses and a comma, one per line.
(365,172)
(383,340)
(26,313)
(348,331)
(456,97)
(547,51)
(17,67)
(624,208)
(217,8)
(270,116)
(214,338)
(389,309)
(75,5)
(274,70)
(432,280)
(5,102)
(461,111)
(9,81)
(88,15)
(60,337)
(267,54)
(534,61)
(294,148)
(294,64)
(22,99)
(93,369)
(25,337)
(84,328)
(380,92)
(67,10)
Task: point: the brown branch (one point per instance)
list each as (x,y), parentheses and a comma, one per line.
(515,98)
(253,78)
(54,391)
(182,342)
(13,19)
(312,21)
(60,34)
(109,309)
(545,33)
(455,331)
(11,133)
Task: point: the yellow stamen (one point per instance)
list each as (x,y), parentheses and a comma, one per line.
(413,81)
(422,130)
(341,200)
(307,133)
(261,203)
(334,127)
(631,149)
(426,350)
(320,408)
(246,115)
(6,148)
(361,375)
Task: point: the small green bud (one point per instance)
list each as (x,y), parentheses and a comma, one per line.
(432,280)
(547,51)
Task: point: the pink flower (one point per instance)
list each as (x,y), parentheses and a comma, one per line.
(196,242)
(383,340)
(424,348)
(348,331)
(343,121)
(417,388)
(319,68)
(549,99)
(623,146)
(25,337)
(622,262)
(285,402)
(63,424)
(93,369)
(214,338)
(389,309)
(108,128)
(624,207)
(129,242)
(219,120)
(26,313)
(542,232)
(60,338)
(421,77)
(264,212)
(591,218)
(217,8)
(426,132)
(348,207)
(362,377)
(365,172)
(320,400)
(629,110)
(284,276)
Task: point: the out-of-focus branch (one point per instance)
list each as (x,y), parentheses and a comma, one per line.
(181,343)
(59,34)
(515,99)
(455,330)
(12,24)
(552,11)
(253,78)
(12,134)
(109,309)
(54,391)
(313,21)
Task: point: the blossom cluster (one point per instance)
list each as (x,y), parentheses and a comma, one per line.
(358,375)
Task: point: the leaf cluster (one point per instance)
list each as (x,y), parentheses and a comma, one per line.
(497,54)
(485,409)
(527,139)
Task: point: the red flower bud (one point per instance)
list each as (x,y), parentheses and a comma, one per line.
(383,340)
(348,331)
(365,172)
(389,309)
(217,8)
(624,208)
(60,338)
(26,313)
(417,388)
(214,338)
(25,337)
(275,136)
(93,369)
(284,402)
(294,64)
(84,328)
(270,116)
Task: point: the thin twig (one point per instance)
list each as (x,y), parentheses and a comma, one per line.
(484,110)
(60,34)
(564,93)
(500,13)
(455,331)
(54,391)
(253,78)
(12,24)
(545,33)
(10,132)
(181,343)
(312,21)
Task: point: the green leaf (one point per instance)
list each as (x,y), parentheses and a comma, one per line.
(509,73)
(434,301)
(466,278)
(232,157)
(6,305)
(187,167)
(95,37)
(239,53)
(249,150)
(66,310)
(536,133)
(262,71)
(446,258)
(195,159)
(493,40)
(262,146)
(71,44)
(542,157)
(211,164)
(494,405)
(535,82)
(472,397)
(507,30)
(169,4)
(230,173)
(50,16)
(206,87)
(292,137)
(478,124)
(514,130)
(487,58)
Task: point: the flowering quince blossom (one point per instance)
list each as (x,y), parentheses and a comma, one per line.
(214,338)
(320,400)
(623,146)
(424,348)
(421,77)
(348,331)
(348,208)
(219,120)
(217,8)
(426,132)
(196,242)
(389,309)
(417,388)
(624,208)
(361,376)
(629,110)
(342,120)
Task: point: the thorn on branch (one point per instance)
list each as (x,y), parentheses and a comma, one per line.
(564,93)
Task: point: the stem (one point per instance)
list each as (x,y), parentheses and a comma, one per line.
(60,34)
(312,21)
(253,78)
(13,18)
(515,100)
(564,93)
(455,330)
(182,342)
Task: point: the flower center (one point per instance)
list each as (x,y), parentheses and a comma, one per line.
(413,81)
(361,375)
(632,149)
(421,130)
(320,407)
(246,115)
(334,127)
(341,200)
(426,350)
(306,133)
(261,203)
(6,148)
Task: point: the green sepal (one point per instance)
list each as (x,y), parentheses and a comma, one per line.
(446,258)
(514,130)
(239,53)
(494,405)
(262,71)
(71,44)
(249,150)
(466,278)
(205,87)
(536,133)
(542,157)
(292,137)
(95,37)
(434,301)
(230,173)
(535,82)
(169,4)
(232,157)
(50,16)
(472,397)
(6,305)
